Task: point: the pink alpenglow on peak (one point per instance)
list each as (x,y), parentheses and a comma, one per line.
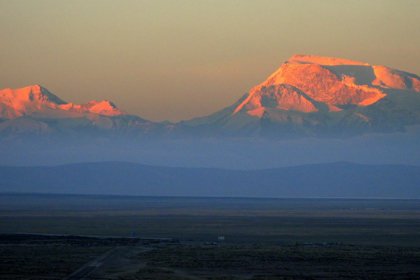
(323,60)
(103,107)
(391,78)
(25,101)
(307,83)
(38,100)
(306,96)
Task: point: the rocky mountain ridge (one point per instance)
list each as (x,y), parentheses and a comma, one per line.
(306,96)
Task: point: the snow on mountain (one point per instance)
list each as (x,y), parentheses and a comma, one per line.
(331,81)
(25,101)
(35,99)
(306,96)
(33,110)
(320,95)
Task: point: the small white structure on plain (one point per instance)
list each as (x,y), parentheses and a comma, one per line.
(220,238)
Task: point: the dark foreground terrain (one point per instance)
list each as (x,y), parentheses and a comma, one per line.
(107,237)
(76,257)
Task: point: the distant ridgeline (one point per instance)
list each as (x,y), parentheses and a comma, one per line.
(307,96)
(334,180)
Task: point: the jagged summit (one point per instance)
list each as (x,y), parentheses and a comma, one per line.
(32,93)
(311,94)
(103,107)
(307,83)
(27,100)
(33,110)
(37,99)
(306,96)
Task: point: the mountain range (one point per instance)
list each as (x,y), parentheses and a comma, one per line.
(341,110)
(306,96)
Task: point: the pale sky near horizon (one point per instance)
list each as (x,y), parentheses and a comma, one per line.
(180,59)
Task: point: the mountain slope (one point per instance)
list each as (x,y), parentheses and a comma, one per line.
(313,95)
(306,96)
(345,180)
(36,99)
(33,110)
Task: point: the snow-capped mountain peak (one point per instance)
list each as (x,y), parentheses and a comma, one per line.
(323,60)
(103,107)
(306,95)
(305,83)
(37,99)
(25,101)
(314,95)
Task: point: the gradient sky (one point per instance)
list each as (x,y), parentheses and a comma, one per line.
(179,59)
